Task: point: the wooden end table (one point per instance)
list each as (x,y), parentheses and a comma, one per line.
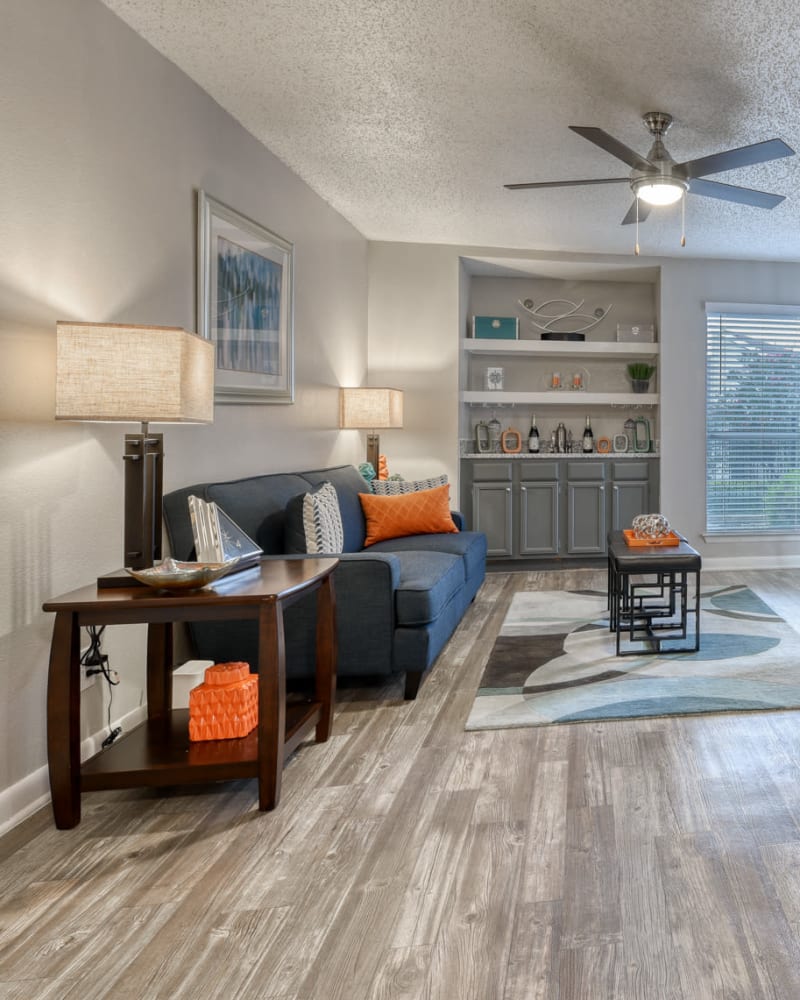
(159,752)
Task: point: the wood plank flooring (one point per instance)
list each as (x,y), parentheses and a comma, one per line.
(409,860)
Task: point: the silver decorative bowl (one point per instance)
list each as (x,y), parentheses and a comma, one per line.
(174,575)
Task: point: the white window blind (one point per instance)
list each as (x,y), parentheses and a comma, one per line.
(752,422)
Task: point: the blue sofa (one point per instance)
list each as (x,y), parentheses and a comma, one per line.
(397,602)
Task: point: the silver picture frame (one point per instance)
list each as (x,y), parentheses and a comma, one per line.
(245,304)
(495,378)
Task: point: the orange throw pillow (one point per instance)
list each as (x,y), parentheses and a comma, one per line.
(425,512)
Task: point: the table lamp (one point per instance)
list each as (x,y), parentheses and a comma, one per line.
(370,409)
(146,374)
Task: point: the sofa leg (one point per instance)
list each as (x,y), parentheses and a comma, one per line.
(413,681)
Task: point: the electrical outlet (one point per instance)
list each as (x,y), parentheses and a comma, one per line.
(87,682)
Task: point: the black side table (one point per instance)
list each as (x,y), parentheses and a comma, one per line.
(653,608)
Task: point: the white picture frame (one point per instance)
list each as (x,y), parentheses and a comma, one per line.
(495,379)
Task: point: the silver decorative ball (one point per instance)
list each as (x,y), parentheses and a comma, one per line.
(650,526)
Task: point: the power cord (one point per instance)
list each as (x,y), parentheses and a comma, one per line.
(96,662)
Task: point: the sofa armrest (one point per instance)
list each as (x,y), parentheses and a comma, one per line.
(364,585)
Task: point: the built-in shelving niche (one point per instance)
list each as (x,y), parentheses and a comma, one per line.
(493,287)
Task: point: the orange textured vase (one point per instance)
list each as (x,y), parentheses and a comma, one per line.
(383,467)
(225,705)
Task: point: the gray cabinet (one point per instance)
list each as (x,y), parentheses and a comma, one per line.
(492,507)
(553,508)
(539,509)
(630,492)
(586,508)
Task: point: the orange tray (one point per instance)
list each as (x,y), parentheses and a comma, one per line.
(664,541)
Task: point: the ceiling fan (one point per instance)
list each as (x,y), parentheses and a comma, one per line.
(656,179)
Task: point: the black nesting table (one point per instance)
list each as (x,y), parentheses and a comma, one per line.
(648,596)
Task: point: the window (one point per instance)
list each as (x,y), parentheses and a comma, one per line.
(752,419)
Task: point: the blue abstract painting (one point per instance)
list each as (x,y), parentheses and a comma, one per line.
(248,318)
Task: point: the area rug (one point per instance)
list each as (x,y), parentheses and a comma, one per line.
(554,661)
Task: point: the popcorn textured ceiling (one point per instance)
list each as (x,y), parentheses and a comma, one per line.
(408,116)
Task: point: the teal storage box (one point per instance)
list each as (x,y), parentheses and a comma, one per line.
(495,327)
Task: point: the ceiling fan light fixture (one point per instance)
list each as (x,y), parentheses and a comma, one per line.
(659,191)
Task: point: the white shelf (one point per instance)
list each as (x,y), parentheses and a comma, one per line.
(563,398)
(559,348)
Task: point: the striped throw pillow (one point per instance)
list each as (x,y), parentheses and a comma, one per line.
(322,520)
(396,487)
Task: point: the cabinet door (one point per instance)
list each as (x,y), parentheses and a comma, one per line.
(538,519)
(491,514)
(586,518)
(628,500)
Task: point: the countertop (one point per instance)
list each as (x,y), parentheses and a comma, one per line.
(572,456)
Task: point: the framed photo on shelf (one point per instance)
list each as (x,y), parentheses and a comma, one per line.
(495,377)
(245,304)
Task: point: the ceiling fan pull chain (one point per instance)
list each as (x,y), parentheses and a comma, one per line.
(683,220)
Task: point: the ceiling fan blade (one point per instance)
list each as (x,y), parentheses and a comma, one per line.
(729,159)
(559,184)
(728,192)
(644,211)
(613,146)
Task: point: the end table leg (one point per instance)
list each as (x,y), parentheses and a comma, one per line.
(326,657)
(63,721)
(271,703)
(159,669)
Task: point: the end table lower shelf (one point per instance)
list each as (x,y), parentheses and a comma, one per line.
(159,752)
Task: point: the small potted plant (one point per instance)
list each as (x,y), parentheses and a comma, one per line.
(640,373)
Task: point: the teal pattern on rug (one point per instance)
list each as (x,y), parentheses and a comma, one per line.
(554,661)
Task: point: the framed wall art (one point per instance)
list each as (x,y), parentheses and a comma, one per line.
(244,305)
(495,378)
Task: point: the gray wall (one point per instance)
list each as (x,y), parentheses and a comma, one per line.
(104,146)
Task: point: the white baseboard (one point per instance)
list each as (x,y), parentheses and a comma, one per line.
(750,562)
(32,792)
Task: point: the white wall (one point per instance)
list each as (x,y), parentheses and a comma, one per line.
(104,146)
(415,315)
(685,288)
(413,305)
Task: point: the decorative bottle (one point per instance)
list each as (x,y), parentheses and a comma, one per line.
(533,436)
(588,437)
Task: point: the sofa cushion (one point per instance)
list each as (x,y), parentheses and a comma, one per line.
(428,582)
(257,505)
(470,545)
(313,522)
(423,512)
(393,487)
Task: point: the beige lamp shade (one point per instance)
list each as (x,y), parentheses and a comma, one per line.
(370,408)
(110,371)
